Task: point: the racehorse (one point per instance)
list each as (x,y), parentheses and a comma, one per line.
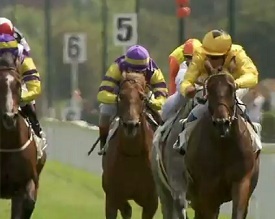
(126,166)
(168,166)
(19,168)
(221,161)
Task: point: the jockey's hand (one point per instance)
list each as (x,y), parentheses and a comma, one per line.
(190,91)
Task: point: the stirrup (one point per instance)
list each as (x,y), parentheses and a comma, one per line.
(180,150)
(101,152)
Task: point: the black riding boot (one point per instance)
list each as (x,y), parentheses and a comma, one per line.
(29,112)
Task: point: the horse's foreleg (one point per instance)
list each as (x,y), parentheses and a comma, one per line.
(150,207)
(111,207)
(240,198)
(29,200)
(181,206)
(17,206)
(126,211)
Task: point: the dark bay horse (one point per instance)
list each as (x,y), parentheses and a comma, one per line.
(19,168)
(126,166)
(220,158)
(169,169)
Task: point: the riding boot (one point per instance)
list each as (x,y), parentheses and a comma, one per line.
(103,134)
(29,112)
(180,144)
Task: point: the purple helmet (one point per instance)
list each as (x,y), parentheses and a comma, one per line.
(137,57)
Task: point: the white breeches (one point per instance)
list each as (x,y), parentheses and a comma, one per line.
(171,106)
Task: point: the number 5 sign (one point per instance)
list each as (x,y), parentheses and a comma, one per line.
(125,29)
(75,48)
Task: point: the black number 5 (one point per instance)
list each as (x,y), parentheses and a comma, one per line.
(125,29)
(73,47)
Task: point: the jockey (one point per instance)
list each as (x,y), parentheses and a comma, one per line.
(137,59)
(31,79)
(175,60)
(173,102)
(216,47)
(6,27)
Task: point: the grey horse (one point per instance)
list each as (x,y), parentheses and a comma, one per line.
(169,170)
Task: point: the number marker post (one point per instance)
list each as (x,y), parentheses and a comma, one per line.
(125,30)
(74,53)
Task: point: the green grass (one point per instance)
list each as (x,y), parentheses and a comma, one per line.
(69,193)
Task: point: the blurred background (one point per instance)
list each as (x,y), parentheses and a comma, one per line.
(50,26)
(74,41)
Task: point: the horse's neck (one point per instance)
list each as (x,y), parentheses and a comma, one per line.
(13,137)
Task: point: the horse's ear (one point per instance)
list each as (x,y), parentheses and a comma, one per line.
(232,65)
(208,66)
(124,75)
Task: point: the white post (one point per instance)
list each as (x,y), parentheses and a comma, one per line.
(74,75)
(74,86)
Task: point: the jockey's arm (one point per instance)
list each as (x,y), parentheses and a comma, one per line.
(159,89)
(247,73)
(180,75)
(32,79)
(109,84)
(192,74)
(175,58)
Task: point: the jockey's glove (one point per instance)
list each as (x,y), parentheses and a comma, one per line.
(190,91)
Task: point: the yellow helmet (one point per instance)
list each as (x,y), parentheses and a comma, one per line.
(216,43)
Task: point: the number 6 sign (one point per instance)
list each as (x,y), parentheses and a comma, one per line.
(125,29)
(75,47)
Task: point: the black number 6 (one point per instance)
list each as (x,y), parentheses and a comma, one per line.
(73,47)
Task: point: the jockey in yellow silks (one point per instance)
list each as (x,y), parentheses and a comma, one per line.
(216,47)
(177,57)
(30,79)
(136,59)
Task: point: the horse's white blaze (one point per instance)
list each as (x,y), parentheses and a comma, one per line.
(9,99)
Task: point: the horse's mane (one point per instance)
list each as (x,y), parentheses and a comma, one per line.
(134,76)
(221,71)
(7,60)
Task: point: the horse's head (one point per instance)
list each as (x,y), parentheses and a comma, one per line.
(221,100)
(131,101)
(10,90)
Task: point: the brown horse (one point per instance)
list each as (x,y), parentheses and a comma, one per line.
(126,166)
(19,168)
(220,158)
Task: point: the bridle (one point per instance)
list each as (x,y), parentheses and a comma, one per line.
(132,81)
